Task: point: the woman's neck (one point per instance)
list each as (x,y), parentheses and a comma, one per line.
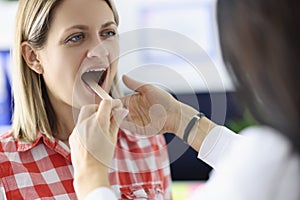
(65,120)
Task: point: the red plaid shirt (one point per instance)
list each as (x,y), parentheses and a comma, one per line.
(43,169)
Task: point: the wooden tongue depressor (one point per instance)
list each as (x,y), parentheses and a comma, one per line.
(92,81)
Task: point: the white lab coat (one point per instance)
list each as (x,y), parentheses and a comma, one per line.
(257,164)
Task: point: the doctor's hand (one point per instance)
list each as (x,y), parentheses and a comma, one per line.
(92,144)
(151,110)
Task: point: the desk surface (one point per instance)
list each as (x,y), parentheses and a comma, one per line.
(182,189)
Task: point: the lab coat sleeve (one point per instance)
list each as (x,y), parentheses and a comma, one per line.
(217,144)
(101,193)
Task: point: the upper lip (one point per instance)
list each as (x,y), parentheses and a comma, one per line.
(94,64)
(96,67)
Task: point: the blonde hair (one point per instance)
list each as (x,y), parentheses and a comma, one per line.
(33,111)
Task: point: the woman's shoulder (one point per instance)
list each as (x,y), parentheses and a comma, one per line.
(6,139)
(260,166)
(266,137)
(263,142)
(7,145)
(272,161)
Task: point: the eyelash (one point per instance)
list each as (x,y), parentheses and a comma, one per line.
(70,39)
(104,34)
(108,34)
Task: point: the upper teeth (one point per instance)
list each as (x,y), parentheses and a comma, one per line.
(96,70)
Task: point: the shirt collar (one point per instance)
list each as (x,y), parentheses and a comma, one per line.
(54,144)
(25,146)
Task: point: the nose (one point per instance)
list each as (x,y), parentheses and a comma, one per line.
(98,51)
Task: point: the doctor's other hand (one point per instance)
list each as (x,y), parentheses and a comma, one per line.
(92,144)
(151,110)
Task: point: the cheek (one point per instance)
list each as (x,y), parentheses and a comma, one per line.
(64,63)
(114,67)
(113,48)
(112,73)
(60,71)
(113,58)
(115,51)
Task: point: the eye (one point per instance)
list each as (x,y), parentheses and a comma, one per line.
(75,38)
(108,34)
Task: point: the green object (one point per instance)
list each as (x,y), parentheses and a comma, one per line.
(237,125)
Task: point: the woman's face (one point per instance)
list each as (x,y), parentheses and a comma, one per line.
(82,37)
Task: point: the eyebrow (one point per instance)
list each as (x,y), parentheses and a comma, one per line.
(84,27)
(109,23)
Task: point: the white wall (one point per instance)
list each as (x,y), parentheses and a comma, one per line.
(7,20)
(199,68)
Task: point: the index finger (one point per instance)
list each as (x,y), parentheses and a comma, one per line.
(132,83)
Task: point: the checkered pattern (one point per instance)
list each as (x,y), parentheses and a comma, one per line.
(43,169)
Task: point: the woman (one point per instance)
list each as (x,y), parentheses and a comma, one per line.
(259,41)
(56,42)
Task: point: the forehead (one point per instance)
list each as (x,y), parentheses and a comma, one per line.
(86,12)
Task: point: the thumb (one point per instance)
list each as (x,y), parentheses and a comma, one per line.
(119,115)
(132,83)
(118,112)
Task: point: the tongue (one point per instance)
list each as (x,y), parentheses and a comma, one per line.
(97,76)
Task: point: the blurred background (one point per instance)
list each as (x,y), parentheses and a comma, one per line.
(211,92)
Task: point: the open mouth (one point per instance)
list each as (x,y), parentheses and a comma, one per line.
(97,76)
(94,79)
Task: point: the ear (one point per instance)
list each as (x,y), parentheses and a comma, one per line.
(30,56)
